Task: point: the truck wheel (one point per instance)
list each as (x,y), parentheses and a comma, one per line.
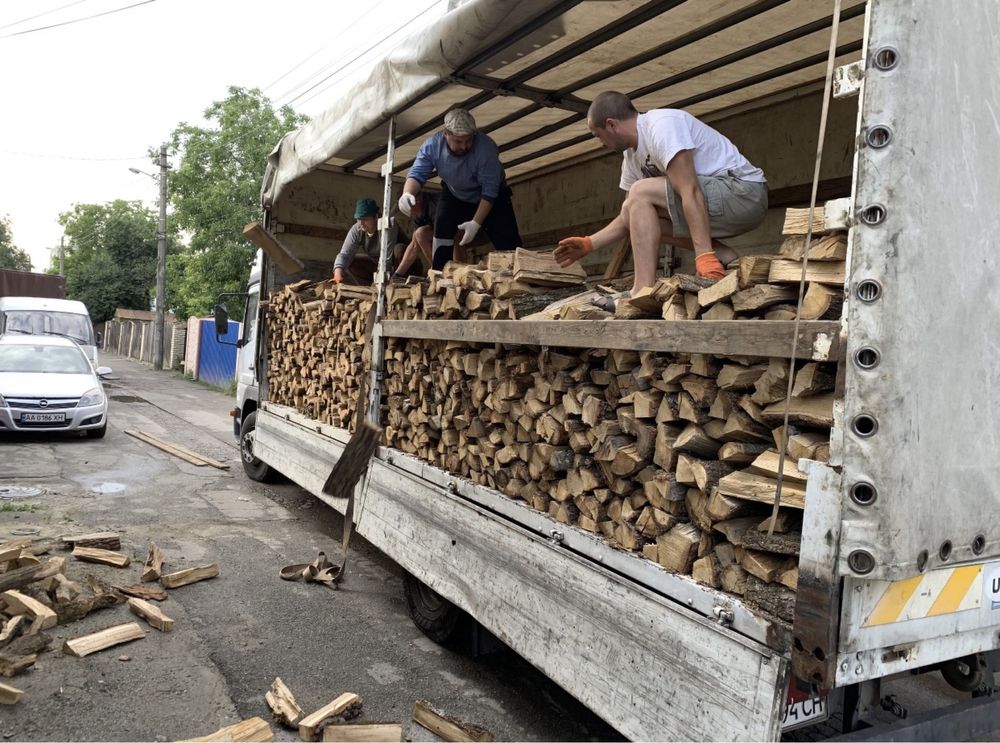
(256,470)
(964,674)
(435,616)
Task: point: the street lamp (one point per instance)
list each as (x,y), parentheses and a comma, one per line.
(161,259)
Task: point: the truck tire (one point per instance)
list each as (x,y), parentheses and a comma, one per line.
(256,470)
(436,617)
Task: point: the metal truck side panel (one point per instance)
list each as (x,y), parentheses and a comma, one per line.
(652,669)
(922,396)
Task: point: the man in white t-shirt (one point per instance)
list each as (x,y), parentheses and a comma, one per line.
(687,184)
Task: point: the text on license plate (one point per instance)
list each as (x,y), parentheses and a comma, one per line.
(43,417)
(798,713)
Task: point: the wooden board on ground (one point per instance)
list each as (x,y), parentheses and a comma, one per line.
(181,452)
(310,725)
(448,728)
(253,730)
(102,557)
(106,638)
(188,576)
(373,732)
(151,614)
(108,540)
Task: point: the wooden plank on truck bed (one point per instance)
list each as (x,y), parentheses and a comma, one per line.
(273,248)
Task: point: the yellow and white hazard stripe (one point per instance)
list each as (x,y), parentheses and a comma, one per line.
(932,594)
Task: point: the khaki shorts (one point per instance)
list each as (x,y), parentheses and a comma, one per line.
(734,206)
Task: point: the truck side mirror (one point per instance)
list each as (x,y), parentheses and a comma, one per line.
(221,319)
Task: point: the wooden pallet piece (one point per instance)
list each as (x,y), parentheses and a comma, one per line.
(178,451)
(253,730)
(188,576)
(310,725)
(106,638)
(101,556)
(151,613)
(448,728)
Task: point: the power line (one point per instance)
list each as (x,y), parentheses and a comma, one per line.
(77,20)
(47,12)
(359,56)
(323,46)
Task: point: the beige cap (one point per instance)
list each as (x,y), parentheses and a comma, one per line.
(459,121)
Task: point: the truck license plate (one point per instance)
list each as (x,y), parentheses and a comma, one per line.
(43,417)
(803,708)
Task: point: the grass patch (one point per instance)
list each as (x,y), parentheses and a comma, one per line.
(10,506)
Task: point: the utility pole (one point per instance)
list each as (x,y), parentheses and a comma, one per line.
(62,253)
(161,265)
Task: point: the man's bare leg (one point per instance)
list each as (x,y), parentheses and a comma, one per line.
(725,254)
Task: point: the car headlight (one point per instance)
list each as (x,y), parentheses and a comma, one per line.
(91,397)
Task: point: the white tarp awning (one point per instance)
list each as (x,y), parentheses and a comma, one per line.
(527,69)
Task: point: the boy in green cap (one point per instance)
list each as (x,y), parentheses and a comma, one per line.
(363,237)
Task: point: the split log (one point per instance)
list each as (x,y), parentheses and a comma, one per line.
(783,271)
(812,379)
(310,725)
(706,571)
(782,544)
(190,575)
(10,667)
(11,628)
(678,548)
(77,609)
(821,302)
(106,638)
(254,730)
(767,464)
(151,614)
(448,728)
(101,556)
(149,593)
(153,566)
(18,603)
(284,708)
(9,695)
(377,732)
(771,597)
(108,540)
(750,486)
(762,565)
(804,411)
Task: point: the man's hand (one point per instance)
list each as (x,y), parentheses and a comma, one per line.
(338,276)
(572,249)
(471,229)
(708,266)
(406,202)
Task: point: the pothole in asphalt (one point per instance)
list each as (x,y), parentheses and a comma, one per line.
(9,492)
(126,398)
(108,487)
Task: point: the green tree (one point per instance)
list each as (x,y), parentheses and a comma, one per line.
(110,259)
(215,191)
(11,256)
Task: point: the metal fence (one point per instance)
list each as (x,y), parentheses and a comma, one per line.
(134,339)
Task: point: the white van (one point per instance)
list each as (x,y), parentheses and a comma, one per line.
(43,316)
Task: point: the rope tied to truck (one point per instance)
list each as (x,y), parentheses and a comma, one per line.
(827,89)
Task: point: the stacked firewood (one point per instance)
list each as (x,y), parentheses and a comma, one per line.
(669,455)
(507,286)
(319,349)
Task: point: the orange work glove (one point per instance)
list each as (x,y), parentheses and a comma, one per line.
(572,249)
(708,266)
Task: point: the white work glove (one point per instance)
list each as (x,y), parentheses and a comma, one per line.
(471,229)
(406,202)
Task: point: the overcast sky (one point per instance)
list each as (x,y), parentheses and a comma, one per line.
(85,101)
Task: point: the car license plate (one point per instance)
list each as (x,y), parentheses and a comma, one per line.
(43,417)
(803,708)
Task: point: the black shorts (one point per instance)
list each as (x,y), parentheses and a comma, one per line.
(500,225)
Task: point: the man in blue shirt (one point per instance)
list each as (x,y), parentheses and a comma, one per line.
(474,193)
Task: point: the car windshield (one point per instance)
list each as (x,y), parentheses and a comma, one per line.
(42,322)
(44,359)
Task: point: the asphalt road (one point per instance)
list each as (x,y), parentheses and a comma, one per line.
(234,634)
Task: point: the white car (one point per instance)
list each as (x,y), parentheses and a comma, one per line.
(48,384)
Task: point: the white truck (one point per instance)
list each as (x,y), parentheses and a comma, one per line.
(902,524)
